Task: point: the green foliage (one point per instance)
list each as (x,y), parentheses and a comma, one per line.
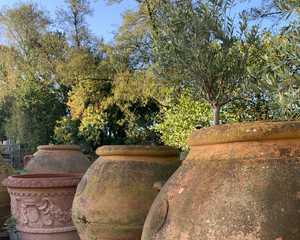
(178,121)
(73,20)
(66,131)
(5,107)
(28,75)
(92,124)
(253,106)
(24,25)
(278,10)
(109,115)
(282,73)
(273,69)
(34,114)
(114,99)
(197,49)
(170,65)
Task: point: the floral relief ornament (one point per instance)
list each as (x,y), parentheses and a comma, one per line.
(41,204)
(40,212)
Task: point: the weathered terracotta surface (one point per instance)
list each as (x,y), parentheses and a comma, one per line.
(41,204)
(26,159)
(58,159)
(114,196)
(239,182)
(5,171)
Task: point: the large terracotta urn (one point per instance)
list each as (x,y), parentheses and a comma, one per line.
(238,182)
(5,171)
(58,159)
(41,205)
(114,196)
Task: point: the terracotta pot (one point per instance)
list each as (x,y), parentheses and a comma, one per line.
(5,171)
(58,159)
(41,205)
(114,196)
(238,182)
(26,159)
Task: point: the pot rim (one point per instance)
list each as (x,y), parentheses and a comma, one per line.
(137,150)
(43,180)
(245,132)
(59,147)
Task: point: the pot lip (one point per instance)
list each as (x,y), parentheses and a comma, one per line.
(137,150)
(59,147)
(43,180)
(245,132)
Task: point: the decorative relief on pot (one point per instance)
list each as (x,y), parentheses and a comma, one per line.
(41,204)
(40,212)
(161,209)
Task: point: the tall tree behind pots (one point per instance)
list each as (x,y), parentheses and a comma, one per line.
(28,74)
(73,20)
(197,47)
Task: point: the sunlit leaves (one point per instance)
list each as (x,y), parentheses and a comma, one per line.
(180,120)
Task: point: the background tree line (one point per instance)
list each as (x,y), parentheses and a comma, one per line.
(173,66)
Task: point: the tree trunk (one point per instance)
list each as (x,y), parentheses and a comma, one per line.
(216,111)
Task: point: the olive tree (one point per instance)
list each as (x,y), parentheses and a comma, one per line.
(197,47)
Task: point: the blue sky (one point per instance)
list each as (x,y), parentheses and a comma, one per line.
(105,20)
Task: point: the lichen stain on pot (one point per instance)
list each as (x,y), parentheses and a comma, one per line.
(233,186)
(115,194)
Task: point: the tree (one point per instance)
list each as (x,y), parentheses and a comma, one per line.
(24,25)
(116,111)
(281,10)
(278,61)
(5,111)
(197,48)
(34,114)
(28,75)
(282,73)
(73,18)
